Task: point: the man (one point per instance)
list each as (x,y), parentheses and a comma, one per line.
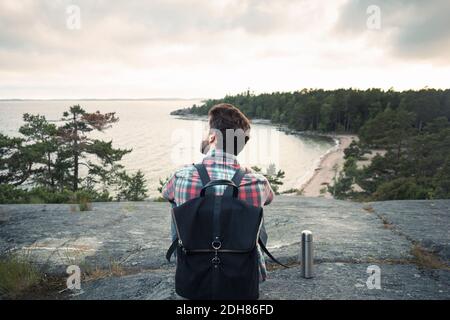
(228,133)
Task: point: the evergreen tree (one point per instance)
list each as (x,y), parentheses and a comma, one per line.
(82,148)
(132,188)
(40,136)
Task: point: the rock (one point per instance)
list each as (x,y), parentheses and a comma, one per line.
(426,222)
(348,281)
(155,285)
(135,235)
(331,281)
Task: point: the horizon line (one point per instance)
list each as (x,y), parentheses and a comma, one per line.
(102,99)
(204,98)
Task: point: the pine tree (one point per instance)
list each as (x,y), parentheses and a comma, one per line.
(74,135)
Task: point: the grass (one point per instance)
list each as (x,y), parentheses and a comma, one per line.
(85,205)
(82,205)
(115,269)
(17,276)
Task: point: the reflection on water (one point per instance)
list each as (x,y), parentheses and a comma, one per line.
(161,143)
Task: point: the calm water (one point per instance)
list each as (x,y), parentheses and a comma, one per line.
(161,143)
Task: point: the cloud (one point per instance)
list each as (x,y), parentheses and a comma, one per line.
(135,33)
(410,29)
(211,48)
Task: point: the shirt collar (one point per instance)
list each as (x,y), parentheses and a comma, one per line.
(218,156)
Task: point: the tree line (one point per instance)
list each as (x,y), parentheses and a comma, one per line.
(411,127)
(44,163)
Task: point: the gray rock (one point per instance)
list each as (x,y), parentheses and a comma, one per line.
(424,222)
(348,281)
(332,281)
(127,233)
(343,231)
(155,285)
(135,235)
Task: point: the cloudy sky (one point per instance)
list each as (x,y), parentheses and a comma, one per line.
(209,48)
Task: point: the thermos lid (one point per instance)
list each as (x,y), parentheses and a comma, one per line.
(307,235)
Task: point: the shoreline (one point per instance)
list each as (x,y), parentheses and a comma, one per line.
(324,173)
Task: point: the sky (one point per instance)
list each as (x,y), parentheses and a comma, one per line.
(64,49)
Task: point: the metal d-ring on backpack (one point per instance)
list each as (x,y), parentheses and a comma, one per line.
(216,243)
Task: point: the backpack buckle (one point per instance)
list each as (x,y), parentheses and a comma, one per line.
(216,244)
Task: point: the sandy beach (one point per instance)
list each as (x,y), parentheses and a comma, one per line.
(325,172)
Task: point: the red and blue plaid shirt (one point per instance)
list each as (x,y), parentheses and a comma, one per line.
(186,184)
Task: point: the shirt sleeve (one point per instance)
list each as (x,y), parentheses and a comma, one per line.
(168,190)
(268,192)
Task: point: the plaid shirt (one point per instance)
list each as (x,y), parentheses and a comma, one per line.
(186,184)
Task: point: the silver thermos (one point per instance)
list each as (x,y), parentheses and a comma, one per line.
(307,255)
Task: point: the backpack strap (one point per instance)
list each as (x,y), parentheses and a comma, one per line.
(266,251)
(172,249)
(203,173)
(237,178)
(174,245)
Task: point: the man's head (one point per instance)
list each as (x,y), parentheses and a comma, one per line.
(229,129)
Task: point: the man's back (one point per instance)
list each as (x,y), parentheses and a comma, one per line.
(186,185)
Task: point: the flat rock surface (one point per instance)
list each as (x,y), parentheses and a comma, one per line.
(332,281)
(133,234)
(348,281)
(348,237)
(342,231)
(425,222)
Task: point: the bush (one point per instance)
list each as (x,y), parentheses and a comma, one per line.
(10,194)
(274,177)
(132,188)
(44,195)
(83,198)
(402,189)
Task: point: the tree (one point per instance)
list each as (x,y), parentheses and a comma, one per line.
(49,157)
(401,188)
(389,130)
(16,161)
(274,177)
(74,135)
(441,181)
(40,136)
(132,188)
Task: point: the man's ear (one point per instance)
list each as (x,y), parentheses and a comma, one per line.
(212,138)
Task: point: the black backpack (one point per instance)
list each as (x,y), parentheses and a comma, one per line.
(216,243)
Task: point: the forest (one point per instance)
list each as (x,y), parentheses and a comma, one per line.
(411,127)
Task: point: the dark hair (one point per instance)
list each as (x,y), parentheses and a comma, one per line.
(224,117)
